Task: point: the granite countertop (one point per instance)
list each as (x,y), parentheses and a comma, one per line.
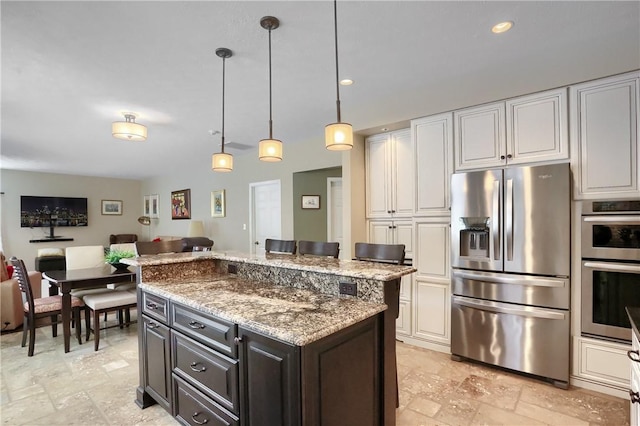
(634,318)
(293,315)
(326,265)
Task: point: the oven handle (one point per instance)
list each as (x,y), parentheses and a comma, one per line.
(502,308)
(531,281)
(611,219)
(616,267)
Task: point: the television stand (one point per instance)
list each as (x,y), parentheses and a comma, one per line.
(49,239)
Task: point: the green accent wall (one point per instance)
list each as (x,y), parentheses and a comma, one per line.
(311,224)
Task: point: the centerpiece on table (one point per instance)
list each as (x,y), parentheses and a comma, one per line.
(113,258)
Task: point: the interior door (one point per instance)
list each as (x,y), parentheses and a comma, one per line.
(334,210)
(265,214)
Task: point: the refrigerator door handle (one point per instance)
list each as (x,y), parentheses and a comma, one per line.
(517,280)
(495,226)
(503,308)
(508,220)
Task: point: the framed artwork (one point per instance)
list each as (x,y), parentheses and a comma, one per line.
(146,205)
(181,204)
(218,204)
(111,207)
(155,206)
(310,201)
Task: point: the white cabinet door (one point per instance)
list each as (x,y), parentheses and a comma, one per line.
(432,311)
(403,234)
(480,136)
(604,134)
(378,176)
(403,180)
(433,142)
(432,249)
(403,322)
(380,232)
(537,127)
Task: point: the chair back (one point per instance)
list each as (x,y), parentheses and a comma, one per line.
(21,275)
(280,246)
(189,242)
(123,247)
(122,238)
(388,253)
(318,248)
(157,247)
(82,257)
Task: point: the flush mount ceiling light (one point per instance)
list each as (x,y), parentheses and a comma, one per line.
(346,82)
(338,136)
(222,162)
(502,27)
(129,130)
(270,149)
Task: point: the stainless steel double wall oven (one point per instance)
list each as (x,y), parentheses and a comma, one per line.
(610,267)
(510,240)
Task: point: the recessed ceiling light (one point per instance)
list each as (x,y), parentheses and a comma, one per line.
(502,27)
(346,82)
(384,129)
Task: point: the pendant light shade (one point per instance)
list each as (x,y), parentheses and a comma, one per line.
(270,149)
(129,130)
(221,161)
(338,136)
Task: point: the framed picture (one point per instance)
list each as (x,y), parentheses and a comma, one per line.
(112,207)
(181,204)
(310,201)
(146,205)
(218,204)
(155,206)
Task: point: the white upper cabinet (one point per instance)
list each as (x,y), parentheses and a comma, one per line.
(433,141)
(390,175)
(526,129)
(604,135)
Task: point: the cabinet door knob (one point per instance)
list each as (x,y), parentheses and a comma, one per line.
(196,414)
(237,340)
(152,305)
(509,156)
(194,367)
(196,324)
(634,396)
(502,157)
(388,211)
(633,356)
(152,325)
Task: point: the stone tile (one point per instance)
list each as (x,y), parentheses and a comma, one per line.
(424,406)
(488,415)
(457,410)
(26,392)
(413,418)
(493,392)
(25,411)
(547,416)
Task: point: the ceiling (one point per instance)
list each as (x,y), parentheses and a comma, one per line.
(69,69)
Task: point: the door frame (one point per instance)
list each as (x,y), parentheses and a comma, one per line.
(330,180)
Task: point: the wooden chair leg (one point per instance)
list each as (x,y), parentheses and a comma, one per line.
(127,316)
(96,330)
(76,317)
(87,322)
(25,328)
(32,337)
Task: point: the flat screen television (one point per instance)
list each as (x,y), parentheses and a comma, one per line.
(36,212)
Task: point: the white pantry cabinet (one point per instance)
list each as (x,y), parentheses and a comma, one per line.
(392,232)
(521,130)
(390,175)
(433,142)
(604,135)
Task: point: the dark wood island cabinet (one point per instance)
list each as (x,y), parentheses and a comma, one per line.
(221,349)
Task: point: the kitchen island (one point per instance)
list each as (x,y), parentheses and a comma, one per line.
(238,339)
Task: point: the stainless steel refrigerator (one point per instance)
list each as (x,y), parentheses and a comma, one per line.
(510,242)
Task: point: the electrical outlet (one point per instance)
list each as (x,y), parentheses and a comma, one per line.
(232,269)
(348,288)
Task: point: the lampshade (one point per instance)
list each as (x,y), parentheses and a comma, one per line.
(129,130)
(196,229)
(222,162)
(270,150)
(144,220)
(338,136)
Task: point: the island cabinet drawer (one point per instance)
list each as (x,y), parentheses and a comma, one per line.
(210,371)
(209,330)
(192,407)
(155,306)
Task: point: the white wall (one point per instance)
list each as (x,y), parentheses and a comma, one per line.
(15,240)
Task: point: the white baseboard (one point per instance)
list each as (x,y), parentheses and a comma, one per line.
(438,347)
(598,387)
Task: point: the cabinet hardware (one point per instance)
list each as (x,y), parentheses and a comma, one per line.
(388,211)
(195,324)
(502,157)
(196,414)
(237,340)
(509,156)
(633,355)
(152,305)
(153,325)
(635,396)
(197,370)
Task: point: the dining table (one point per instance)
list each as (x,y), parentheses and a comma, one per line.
(62,282)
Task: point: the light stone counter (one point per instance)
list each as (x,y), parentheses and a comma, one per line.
(293,315)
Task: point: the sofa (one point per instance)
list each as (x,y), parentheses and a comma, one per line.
(11,310)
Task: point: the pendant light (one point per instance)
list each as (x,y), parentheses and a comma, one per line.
(129,130)
(338,136)
(221,161)
(270,149)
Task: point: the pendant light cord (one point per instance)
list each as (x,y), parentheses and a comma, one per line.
(223,67)
(335,26)
(270,120)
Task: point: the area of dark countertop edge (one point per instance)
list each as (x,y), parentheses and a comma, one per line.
(634,317)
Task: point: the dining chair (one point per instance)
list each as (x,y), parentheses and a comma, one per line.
(386,253)
(114,301)
(42,307)
(318,248)
(280,246)
(158,247)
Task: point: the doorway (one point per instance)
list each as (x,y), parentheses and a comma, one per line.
(334,209)
(266,218)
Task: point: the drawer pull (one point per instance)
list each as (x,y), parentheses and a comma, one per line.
(152,325)
(196,414)
(633,356)
(237,340)
(196,324)
(197,370)
(635,397)
(152,305)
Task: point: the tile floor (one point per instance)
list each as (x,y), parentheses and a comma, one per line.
(85,387)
